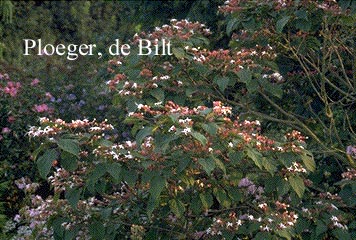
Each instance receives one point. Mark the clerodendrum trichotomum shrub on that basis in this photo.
(197, 165)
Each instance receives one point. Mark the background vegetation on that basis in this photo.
(184, 156)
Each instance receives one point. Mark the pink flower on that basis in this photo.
(49, 95)
(11, 119)
(41, 108)
(6, 130)
(12, 88)
(35, 82)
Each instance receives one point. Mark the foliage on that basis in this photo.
(196, 163)
(22, 101)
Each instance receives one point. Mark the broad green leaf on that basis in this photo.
(208, 164)
(130, 176)
(97, 230)
(220, 164)
(245, 75)
(210, 128)
(284, 233)
(206, 199)
(235, 157)
(222, 82)
(231, 25)
(73, 196)
(222, 198)
(255, 156)
(178, 53)
(263, 236)
(308, 161)
(297, 184)
(320, 228)
(114, 170)
(68, 161)
(200, 137)
(281, 23)
(196, 204)
(142, 134)
(183, 164)
(44, 163)
(97, 173)
(157, 185)
(157, 93)
(69, 145)
(177, 207)
(341, 234)
(269, 165)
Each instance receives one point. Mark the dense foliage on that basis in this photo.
(251, 141)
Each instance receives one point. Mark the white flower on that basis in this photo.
(186, 130)
(334, 218)
(210, 150)
(229, 224)
(172, 129)
(231, 144)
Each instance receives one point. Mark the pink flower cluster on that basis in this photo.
(11, 88)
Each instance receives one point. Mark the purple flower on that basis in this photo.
(6, 130)
(350, 150)
(251, 189)
(245, 182)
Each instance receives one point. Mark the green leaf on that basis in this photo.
(222, 198)
(297, 184)
(97, 230)
(97, 173)
(44, 163)
(114, 170)
(255, 156)
(206, 199)
(235, 157)
(73, 196)
(68, 161)
(232, 25)
(69, 145)
(183, 164)
(320, 228)
(211, 128)
(177, 207)
(244, 75)
(222, 82)
(142, 134)
(263, 236)
(178, 53)
(220, 164)
(308, 161)
(284, 233)
(157, 185)
(341, 234)
(130, 176)
(157, 93)
(281, 23)
(200, 137)
(208, 164)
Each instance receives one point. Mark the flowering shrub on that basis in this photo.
(198, 165)
(19, 101)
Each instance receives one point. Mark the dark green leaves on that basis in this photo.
(297, 184)
(222, 82)
(200, 137)
(69, 145)
(142, 134)
(208, 164)
(281, 23)
(44, 163)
